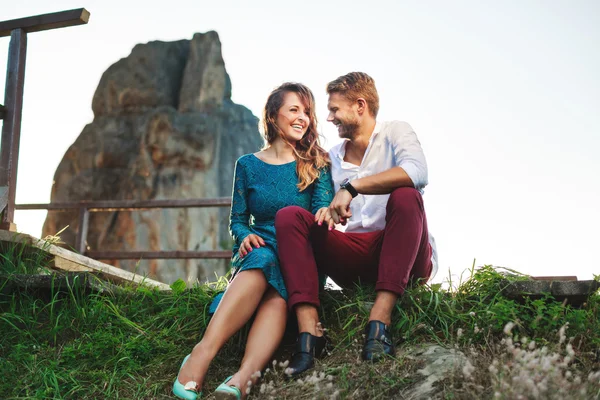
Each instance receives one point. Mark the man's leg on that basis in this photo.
(405, 254)
(293, 226)
(302, 244)
(405, 251)
(298, 267)
(299, 241)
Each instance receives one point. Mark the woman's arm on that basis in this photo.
(239, 216)
(323, 190)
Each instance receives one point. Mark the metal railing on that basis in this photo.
(85, 207)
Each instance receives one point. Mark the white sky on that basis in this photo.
(504, 96)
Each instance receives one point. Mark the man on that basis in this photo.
(380, 171)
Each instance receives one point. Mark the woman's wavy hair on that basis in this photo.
(310, 156)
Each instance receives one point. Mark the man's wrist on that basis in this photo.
(348, 187)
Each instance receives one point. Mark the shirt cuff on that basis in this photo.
(416, 175)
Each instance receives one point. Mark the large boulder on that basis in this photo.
(164, 128)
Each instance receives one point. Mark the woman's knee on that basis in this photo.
(273, 299)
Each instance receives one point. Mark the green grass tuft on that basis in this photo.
(69, 342)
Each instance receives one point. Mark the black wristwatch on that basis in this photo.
(348, 186)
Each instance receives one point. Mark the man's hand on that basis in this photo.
(340, 207)
(248, 242)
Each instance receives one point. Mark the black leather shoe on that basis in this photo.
(307, 348)
(378, 342)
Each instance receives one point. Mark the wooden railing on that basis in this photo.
(10, 112)
(85, 207)
(10, 115)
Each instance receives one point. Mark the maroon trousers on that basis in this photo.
(386, 258)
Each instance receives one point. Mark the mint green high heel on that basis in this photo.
(226, 392)
(187, 391)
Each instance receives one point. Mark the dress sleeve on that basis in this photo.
(239, 217)
(323, 190)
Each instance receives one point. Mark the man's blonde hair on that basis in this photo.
(354, 86)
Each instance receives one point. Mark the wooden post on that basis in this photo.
(11, 128)
(82, 230)
(3, 197)
(10, 112)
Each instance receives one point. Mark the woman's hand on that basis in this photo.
(250, 241)
(324, 215)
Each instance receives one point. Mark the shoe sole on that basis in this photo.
(377, 357)
(225, 396)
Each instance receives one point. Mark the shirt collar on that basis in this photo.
(342, 152)
(377, 129)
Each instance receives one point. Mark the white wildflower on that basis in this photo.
(468, 369)
(508, 328)
(256, 375)
(561, 333)
(570, 350)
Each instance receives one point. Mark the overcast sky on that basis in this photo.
(504, 96)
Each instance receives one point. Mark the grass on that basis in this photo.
(72, 343)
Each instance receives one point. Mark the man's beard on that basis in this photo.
(348, 130)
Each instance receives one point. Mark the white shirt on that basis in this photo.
(392, 144)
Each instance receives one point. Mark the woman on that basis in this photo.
(292, 169)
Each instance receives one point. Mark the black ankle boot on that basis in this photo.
(307, 348)
(378, 342)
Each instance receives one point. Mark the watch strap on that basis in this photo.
(348, 186)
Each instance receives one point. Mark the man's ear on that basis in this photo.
(361, 105)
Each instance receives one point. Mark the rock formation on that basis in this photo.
(164, 128)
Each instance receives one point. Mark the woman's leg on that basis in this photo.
(238, 304)
(263, 339)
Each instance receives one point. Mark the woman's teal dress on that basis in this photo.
(259, 191)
